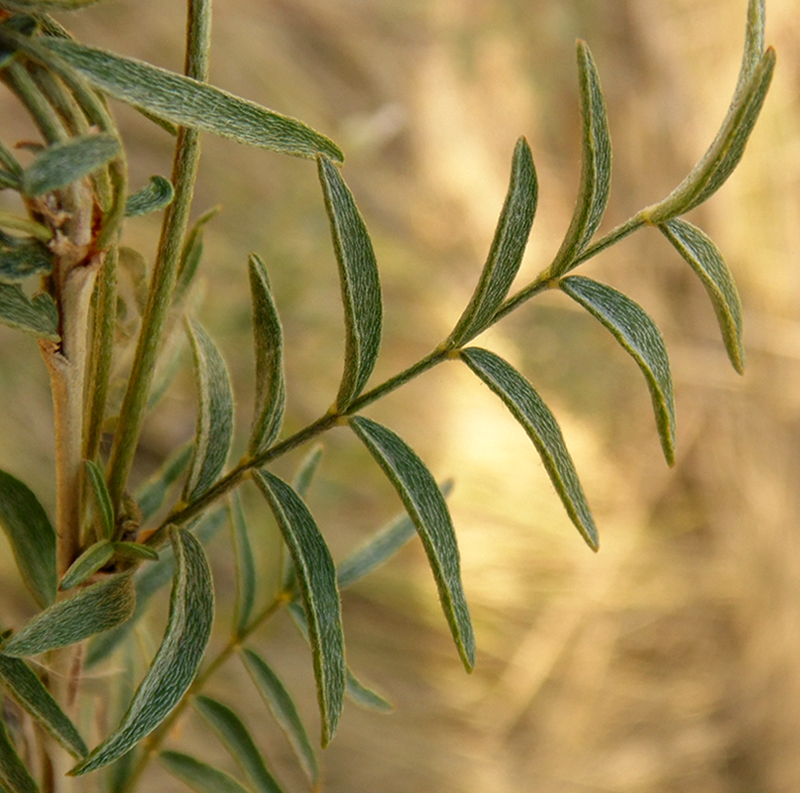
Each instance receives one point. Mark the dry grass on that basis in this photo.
(666, 663)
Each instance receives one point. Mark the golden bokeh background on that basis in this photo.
(666, 663)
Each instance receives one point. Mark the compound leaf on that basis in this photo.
(191, 613)
(706, 260)
(426, 506)
(283, 710)
(238, 741)
(65, 162)
(316, 575)
(200, 777)
(94, 609)
(358, 274)
(542, 428)
(595, 166)
(508, 247)
(31, 536)
(24, 685)
(214, 414)
(38, 316)
(270, 385)
(156, 194)
(189, 103)
(634, 329)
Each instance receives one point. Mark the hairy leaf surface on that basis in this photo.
(63, 163)
(508, 247)
(426, 506)
(22, 258)
(14, 776)
(595, 183)
(214, 414)
(284, 711)
(191, 613)
(270, 385)
(316, 575)
(155, 195)
(246, 575)
(239, 742)
(94, 609)
(31, 536)
(706, 260)
(101, 498)
(189, 103)
(37, 316)
(542, 428)
(24, 685)
(199, 776)
(358, 275)
(87, 564)
(634, 329)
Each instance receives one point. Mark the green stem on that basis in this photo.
(16, 76)
(165, 270)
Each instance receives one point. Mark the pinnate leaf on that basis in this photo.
(508, 247)
(191, 613)
(634, 329)
(316, 575)
(189, 103)
(65, 162)
(31, 536)
(595, 183)
(706, 260)
(238, 741)
(156, 194)
(542, 428)
(358, 275)
(270, 386)
(24, 685)
(199, 776)
(214, 414)
(283, 710)
(426, 506)
(38, 315)
(94, 609)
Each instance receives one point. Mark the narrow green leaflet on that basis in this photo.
(379, 548)
(22, 258)
(426, 506)
(542, 428)
(134, 552)
(87, 564)
(283, 710)
(200, 777)
(31, 537)
(157, 194)
(192, 254)
(237, 739)
(191, 613)
(727, 148)
(190, 103)
(354, 689)
(214, 415)
(38, 316)
(706, 260)
(94, 609)
(316, 575)
(63, 163)
(101, 498)
(14, 776)
(24, 685)
(270, 385)
(148, 582)
(358, 275)
(635, 330)
(152, 493)
(595, 168)
(508, 247)
(246, 576)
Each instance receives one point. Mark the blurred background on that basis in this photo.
(666, 663)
